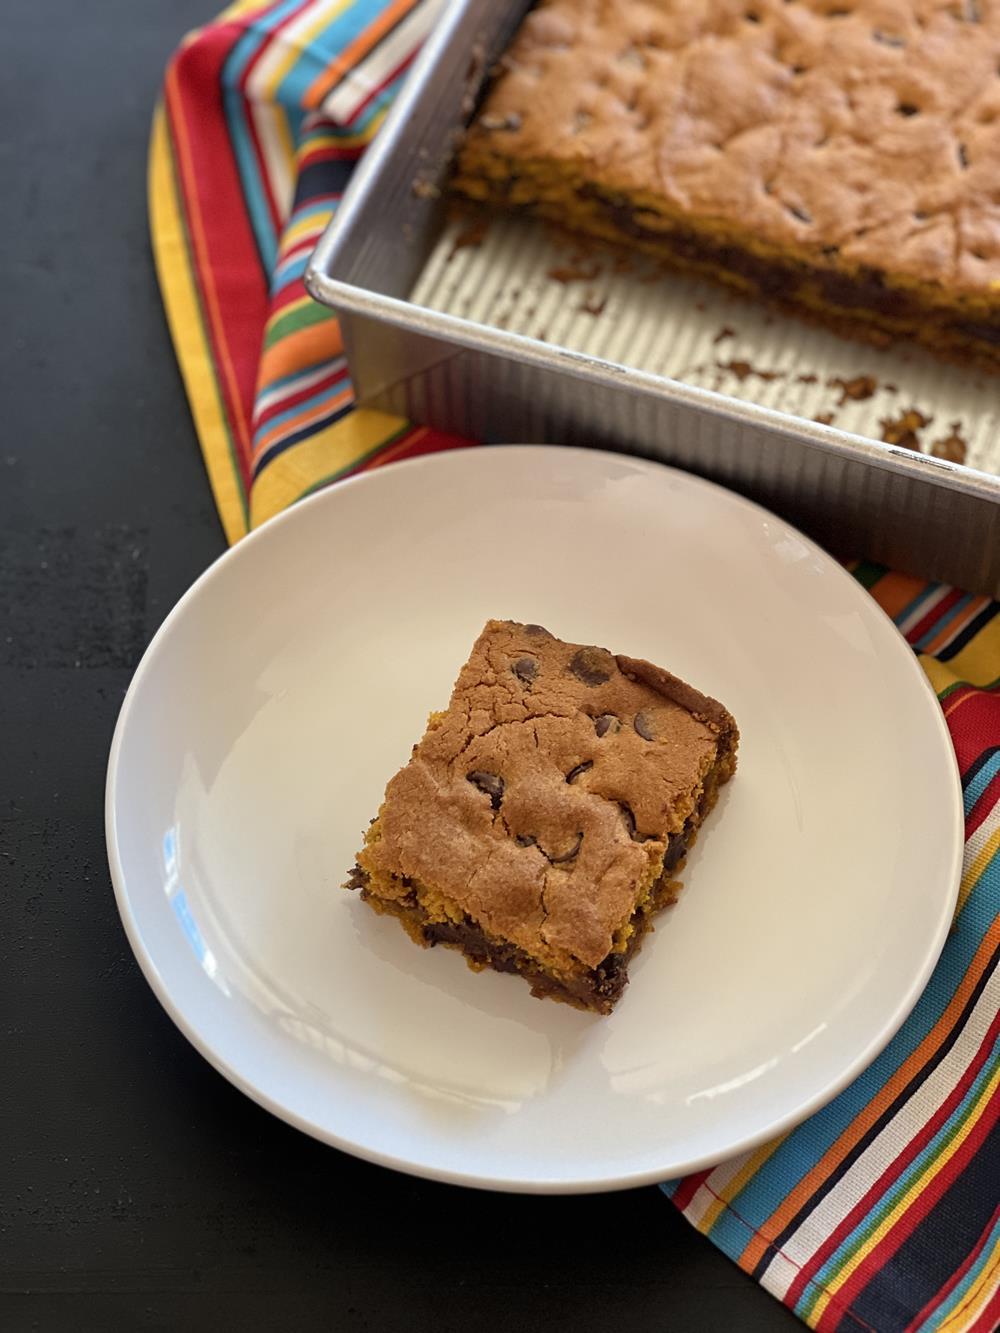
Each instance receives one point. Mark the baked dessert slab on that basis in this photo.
(540, 821)
(840, 158)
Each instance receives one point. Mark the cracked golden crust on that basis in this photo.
(541, 801)
(850, 135)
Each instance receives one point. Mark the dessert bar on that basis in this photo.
(839, 159)
(540, 822)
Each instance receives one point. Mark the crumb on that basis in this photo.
(807, 379)
(477, 63)
(890, 388)
(592, 306)
(743, 370)
(903, 429)
(510, 121)
(425, 189)
(623, 263)
(724, 333)
(570, 273)
(699, 305)
(856, 389)
(472, 235)
(952, 447)
(825, 418)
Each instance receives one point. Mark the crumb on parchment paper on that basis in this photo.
(856, 389)
(904, 430)
(743, 370)
(951, 447)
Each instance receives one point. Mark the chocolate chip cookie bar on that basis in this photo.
(542, 818)
(838, 157)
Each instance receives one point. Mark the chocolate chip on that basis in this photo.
(644, 726)
(611, 969)
(605, 723)
(629, 819)
(525, 669)
(574, 773)
(525, 840)
(538, 632)
(568, 856)
(357, 879)
(488, 783)
(676, 848)
(592, 665)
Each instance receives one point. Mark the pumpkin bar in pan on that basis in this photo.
(540, 822)
(840, 158)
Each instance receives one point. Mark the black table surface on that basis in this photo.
(138, 1189)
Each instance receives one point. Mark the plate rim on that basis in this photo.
(596, 1183)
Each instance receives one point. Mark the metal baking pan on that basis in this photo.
(449, 335)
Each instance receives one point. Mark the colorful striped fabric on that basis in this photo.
(264, 113)
(881, 1212)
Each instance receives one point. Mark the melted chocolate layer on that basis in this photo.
(599, 989)
(849, 295)
(863, 290)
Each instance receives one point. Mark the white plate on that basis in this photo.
(289, 684)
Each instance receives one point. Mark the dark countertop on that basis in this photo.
(138, 1190)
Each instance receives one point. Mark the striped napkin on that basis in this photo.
(881, 1212)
